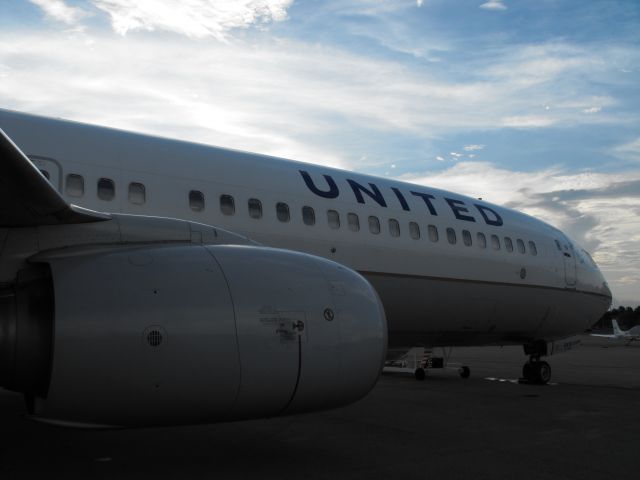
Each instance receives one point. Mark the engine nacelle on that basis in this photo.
(191, 334)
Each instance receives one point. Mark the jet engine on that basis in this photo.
(183, 334)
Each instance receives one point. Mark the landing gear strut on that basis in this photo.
(535, 370)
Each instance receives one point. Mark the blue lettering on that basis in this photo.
(401, 199)
(374, 193)
(458, 206)
(333, 191)
(496, 220)
(427, 200)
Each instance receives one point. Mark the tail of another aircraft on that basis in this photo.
(616, 328)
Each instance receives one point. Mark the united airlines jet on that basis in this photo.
(148, 281)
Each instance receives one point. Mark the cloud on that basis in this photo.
(58, 10)
(529, 121)
(598, 210)
(592, 110)
(629, 151)
(494, 5)
(471, 148)
(195, 18)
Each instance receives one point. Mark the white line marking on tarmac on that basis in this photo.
(510, 380)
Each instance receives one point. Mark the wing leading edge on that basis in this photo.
(27, 199)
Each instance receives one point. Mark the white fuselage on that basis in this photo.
(444, 288)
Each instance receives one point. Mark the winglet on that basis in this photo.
(28, 199)
(616, 328)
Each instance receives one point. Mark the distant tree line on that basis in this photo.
(627, 317)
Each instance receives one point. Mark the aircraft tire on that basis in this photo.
(527, 372)
(542, 373)
(465, 371)
(420, 374)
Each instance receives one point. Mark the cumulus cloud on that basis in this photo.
(598, 210)
(58, 10)
(494, 5)
(195, 18)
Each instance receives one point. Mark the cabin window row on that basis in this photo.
(283, 214)
(105, 189)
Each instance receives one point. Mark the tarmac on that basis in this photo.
(584, 425)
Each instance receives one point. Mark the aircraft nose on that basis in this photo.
(606, 290)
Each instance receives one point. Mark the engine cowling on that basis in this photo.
(171, 335)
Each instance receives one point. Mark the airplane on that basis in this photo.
(630, 335)
(149, 281)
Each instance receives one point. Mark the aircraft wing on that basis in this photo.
(604, 335)
(26, 196)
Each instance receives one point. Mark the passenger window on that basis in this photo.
(508, 244)
(466, 237)
(414, 230)
(45, 174)
(308, 216)
(451, 236)
(196, 200)
(394, 227)
(353, 221)
(495, 242)
(227, 205)
(137, 193)
(255, 208)
(374, 225)
(532, 248)
(482, 240)
(433, 233)
(282, 212)
(333, 218)
(520, 245)
(75, 185)
(106, 189)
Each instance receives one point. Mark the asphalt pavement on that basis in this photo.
(584, 425)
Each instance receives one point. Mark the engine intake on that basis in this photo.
(26, 332)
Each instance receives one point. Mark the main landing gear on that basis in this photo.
(536, 371)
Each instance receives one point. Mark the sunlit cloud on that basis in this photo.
(58, 10)
(471, 148)
(529, 121)
(196, 18)
(494, 5)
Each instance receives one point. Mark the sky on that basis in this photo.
(534, 105)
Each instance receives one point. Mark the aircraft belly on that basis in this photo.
(454, 312)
